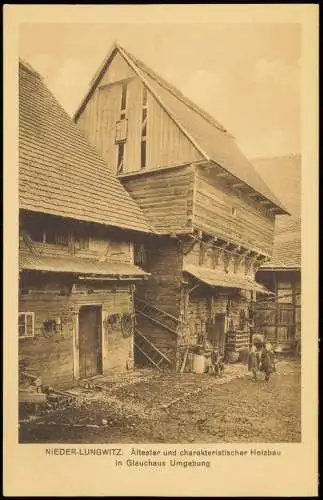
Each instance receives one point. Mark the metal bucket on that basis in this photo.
(198, 363)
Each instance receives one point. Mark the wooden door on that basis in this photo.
(90, 349)
(216, 332)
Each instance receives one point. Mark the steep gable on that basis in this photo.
(208, 138)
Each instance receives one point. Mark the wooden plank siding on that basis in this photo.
(165, 197)
(280, 318)
(213, 208)
(118, 70)
(101, 241)
(52, 357)
(205, 302)
(98, 122)
(166, 143)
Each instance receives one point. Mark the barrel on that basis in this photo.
(198, 363)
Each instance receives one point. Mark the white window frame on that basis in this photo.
(26, 314)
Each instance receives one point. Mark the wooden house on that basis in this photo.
(280, 317)
(77, 230)
(212, 214)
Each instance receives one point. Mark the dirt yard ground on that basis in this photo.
(150, 407)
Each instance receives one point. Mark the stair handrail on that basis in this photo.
(153, 346)
(178, 320)
(148, 357)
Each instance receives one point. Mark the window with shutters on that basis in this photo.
(121, 131)
(26, 321)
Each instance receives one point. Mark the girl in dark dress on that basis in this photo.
(267, 360)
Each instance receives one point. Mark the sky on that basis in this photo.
(245, 75)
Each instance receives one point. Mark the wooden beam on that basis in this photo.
(190, 247)
(193, 288)
(253, 195)
(223, 173)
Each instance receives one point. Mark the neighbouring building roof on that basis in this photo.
(59, 172)
(283, 175)
(213, 277)
(205, 133)
(287, 247)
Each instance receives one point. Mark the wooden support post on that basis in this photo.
(76, 369)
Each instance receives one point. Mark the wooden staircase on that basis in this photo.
(157, 316)
(155, 357)
(164, 320)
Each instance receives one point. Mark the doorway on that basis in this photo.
(216, 332)
(90, 341)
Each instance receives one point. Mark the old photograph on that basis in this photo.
(160, 217)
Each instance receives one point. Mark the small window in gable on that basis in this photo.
(144, 96)
(120, 157)
(124, 97)
(121, 131)
(143, 154)
(26, 321)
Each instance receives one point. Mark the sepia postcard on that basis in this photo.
(161, 250)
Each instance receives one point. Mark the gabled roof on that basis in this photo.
(59, 172)
(287, 253)
(283, 175)
(208, 136)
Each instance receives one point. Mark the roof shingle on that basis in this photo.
(213, 277)
(283, 175)
(78, 266)
(287, 247)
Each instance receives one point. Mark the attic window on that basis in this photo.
(143, 153)
(123, 99)
(144, 117)
(120, 157)
(121, 131)
(144, 96)
(144, 123)
(234, 211)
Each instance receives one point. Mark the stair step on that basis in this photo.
(157, 322)
(152, 347)
(164, 313)
(147, 356)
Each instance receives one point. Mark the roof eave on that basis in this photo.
(280, 268)
(146, 230)
(281, 209)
